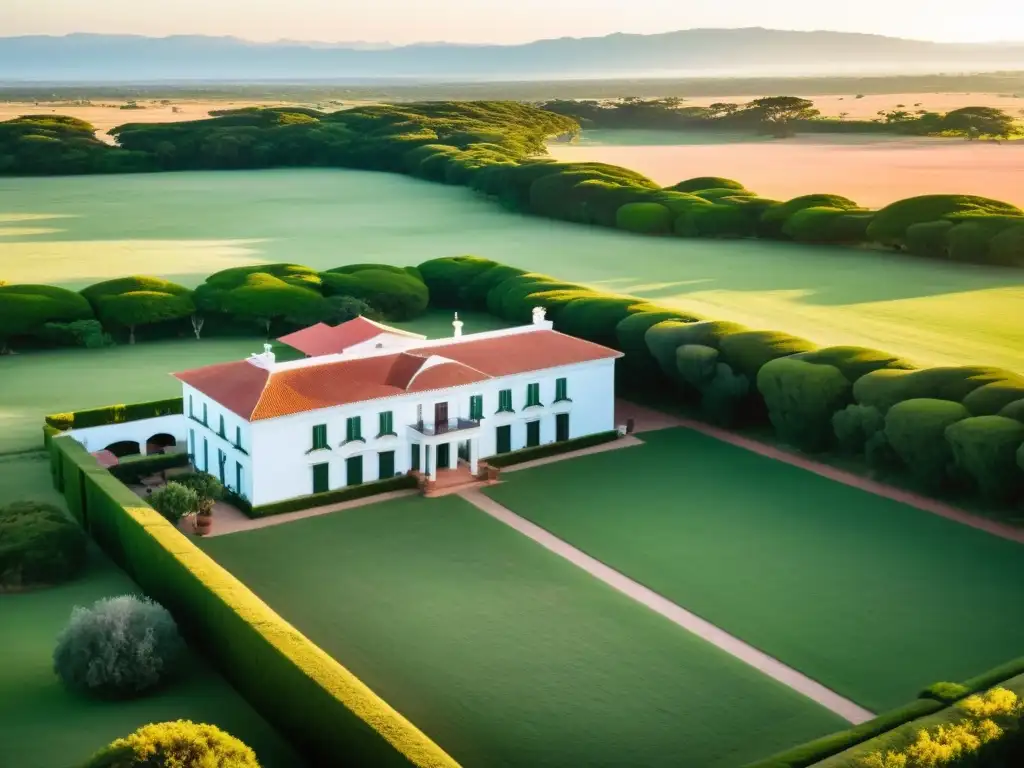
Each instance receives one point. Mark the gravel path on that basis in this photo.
(674, 613)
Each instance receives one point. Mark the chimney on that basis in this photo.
(266, 360)
(268, 353)
(538, 315)
(457, 325)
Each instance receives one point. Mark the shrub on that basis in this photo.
(1007, 248)
(1014, 410)
(985, 447)
(885, 388)
(178, 744)
(928, 239)
(551, 449)
(855, 425)
(120, 647)
(994, 676)
(79, 333)
(811, 225)
(292, 274)
(891, 223)
(747, 351)
(718, 193)
(855, 362)
(38, 545)
(721, 398)
(705, 182)
(801, 399)
(263, 298)
(517, 301)
(992, 398)
(630, 337)
(473, 293)
(645, 218)
(174, 501)
(879, 453)
(916, 429)
(348, 493)
(595, 317)
(396, 295)
(948, 693)
(446, 277)
(781, 213)
(132, 309)
(663, 339)
(970, 240)
(25, 309)
(697, 364)
(715, 221)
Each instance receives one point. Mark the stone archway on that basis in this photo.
(124, 448)
(160, 443)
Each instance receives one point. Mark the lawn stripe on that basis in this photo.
(770, 666)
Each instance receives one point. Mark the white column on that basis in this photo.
(472, 456)
(430, 464)
(453, 455)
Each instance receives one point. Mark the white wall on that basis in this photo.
(235, 428)
(97, 438)
(282, 461)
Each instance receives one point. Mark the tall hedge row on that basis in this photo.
(956, 428)
(322, 707)
(497, 149)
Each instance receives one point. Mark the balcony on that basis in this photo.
(435, 428)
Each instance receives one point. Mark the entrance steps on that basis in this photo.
(456, 480)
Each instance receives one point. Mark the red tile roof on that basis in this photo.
(255, 393)
(323, 339)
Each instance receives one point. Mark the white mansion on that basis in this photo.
(369, 402)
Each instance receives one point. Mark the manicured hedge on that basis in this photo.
(814, 751)
(802, 398)
(891, 223)
(327, 712)
(349, 493)
(916, 429)
(116, 414)
(994, 676)
(130, 472)
(551, 449)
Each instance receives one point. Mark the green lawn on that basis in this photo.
(870, 597)
(505, 654)
(38, 383)
(78, 230)
(44, 726)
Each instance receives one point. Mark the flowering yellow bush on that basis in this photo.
(946, 744)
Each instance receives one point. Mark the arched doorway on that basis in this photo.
(159, 443)
(124, 448)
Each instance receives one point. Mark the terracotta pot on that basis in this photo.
(203, 524)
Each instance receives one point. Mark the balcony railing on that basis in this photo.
(432, 428)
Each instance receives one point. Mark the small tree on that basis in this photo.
(781, 111)
(142, 308)
(182, 744)
(174, 501)
(979, 121)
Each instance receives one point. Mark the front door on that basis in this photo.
(354, 470)
(441, 420)
(387, 465)
(444, 456)
(562, 427)
(503, 441)
(532, 433)
(321, 478)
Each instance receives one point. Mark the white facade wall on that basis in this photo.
(206, 445)
(282, 460)
(140, 431)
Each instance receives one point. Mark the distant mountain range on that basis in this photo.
(689, 53)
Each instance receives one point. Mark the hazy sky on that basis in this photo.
(506, 21)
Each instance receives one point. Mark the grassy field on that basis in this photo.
(73, 231)
(38, 383)
(873, 598)
(505, 654)
(44, 726)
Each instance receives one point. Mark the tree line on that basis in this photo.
(498, 150)
(270, 298)
(781, 116)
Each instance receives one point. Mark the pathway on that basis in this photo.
(768, 665)
(647, 419)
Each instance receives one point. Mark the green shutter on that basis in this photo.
(319, 436)
(387, 465)
(238, 437)
(562, 427)
(505, 401)
(191, 413)
(532, 395)
(354, 470)
(561, 390)
(532, 434)
(503, 439)
(476, 407)
(220, 431)
(386, 423)
(238, 478)
(353, 429)
(205, 422)
(321, 478)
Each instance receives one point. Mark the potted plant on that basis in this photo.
(208, 490)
